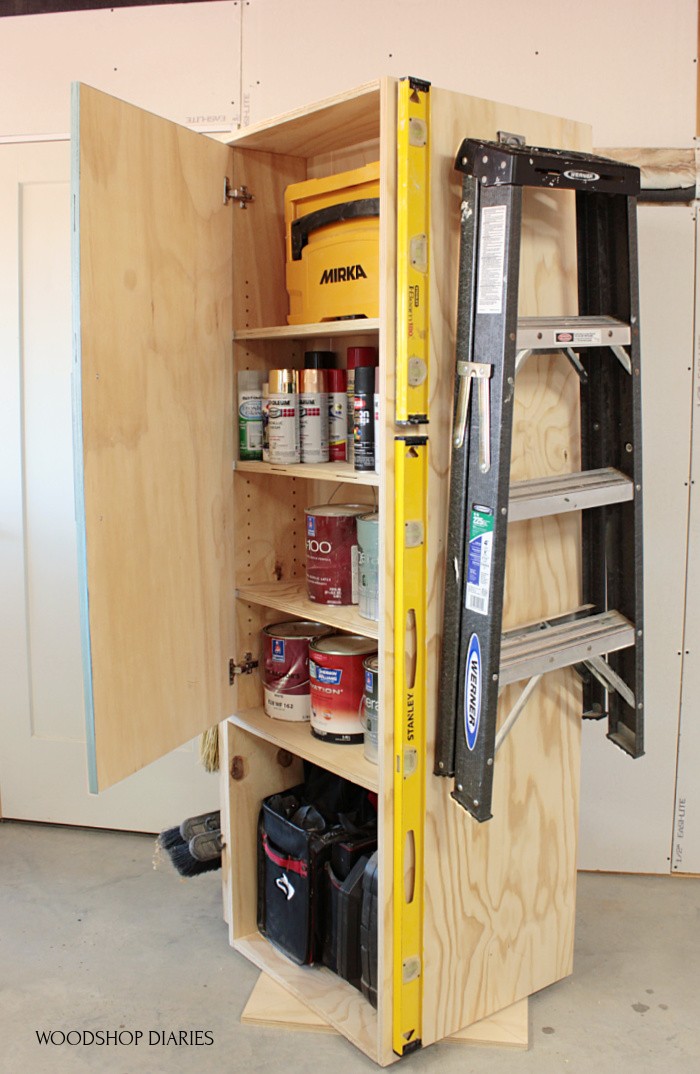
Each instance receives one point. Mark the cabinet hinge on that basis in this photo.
(246, 667)
(241, 194)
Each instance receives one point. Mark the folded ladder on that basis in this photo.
(604, 641)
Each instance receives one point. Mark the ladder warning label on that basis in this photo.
(481, 526)
(492, 256)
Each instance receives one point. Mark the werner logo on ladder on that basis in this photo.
(604, 639)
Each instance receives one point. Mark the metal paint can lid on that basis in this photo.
(372, 664)
(345, 645)
(297, 628)
(337, 510)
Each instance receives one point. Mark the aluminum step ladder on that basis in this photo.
(604, 639)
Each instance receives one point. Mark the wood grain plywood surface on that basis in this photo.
(500, 897)
(154, 339)
(272, 1006)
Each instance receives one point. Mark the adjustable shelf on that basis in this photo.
(291, 597)
(347, 761)
(341, 472)
(359, 327)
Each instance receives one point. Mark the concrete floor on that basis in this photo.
(92, 937)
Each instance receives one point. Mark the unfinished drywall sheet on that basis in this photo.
(686, 825)
(627, 806)
(627, 68)
(178, 60)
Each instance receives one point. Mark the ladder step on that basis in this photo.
(529, 652)
(552, 333)
(568, 492)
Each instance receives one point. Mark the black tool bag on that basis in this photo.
(341, 939)
(297, 831)
(368, 929)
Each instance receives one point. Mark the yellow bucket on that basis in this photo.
(332, 240)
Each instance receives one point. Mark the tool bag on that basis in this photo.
(343, 892)
(297, 831)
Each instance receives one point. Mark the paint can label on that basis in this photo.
(337, 691)
(481, 529)
(285, 671)
(331, 558)
(371, 707)
(368, 566)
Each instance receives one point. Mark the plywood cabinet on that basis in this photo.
(188, 552)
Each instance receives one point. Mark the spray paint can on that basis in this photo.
(363, 418)
(337, 380)
(320, 360)
(283, 423)
(337, 686)
(368, 565)
(377, 430)
(357, 357)
(265, 413)
(313, 415)
(250, 414)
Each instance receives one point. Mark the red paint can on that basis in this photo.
(337, 686)
(331, 552)
(285, 671)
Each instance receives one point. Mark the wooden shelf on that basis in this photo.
(335, 1000)
(327, 471)
(359, 327)
(349, 762)
(291, 597)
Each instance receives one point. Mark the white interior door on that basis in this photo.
(43, 769)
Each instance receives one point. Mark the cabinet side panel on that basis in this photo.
(153, 342)
(259, 288)
(500, 897)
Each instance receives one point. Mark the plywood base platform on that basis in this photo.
(271, 1005)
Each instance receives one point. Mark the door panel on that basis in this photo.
(153, 430)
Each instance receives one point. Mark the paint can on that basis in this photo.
(285, 668)
(331, 552)
(337, 686)
(368, 565)
(371, 707)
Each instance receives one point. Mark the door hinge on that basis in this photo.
(241, 194)
(246, 667)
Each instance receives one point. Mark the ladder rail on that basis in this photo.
(485, 510)
(454, 569)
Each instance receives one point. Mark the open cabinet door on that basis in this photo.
(153, 431)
